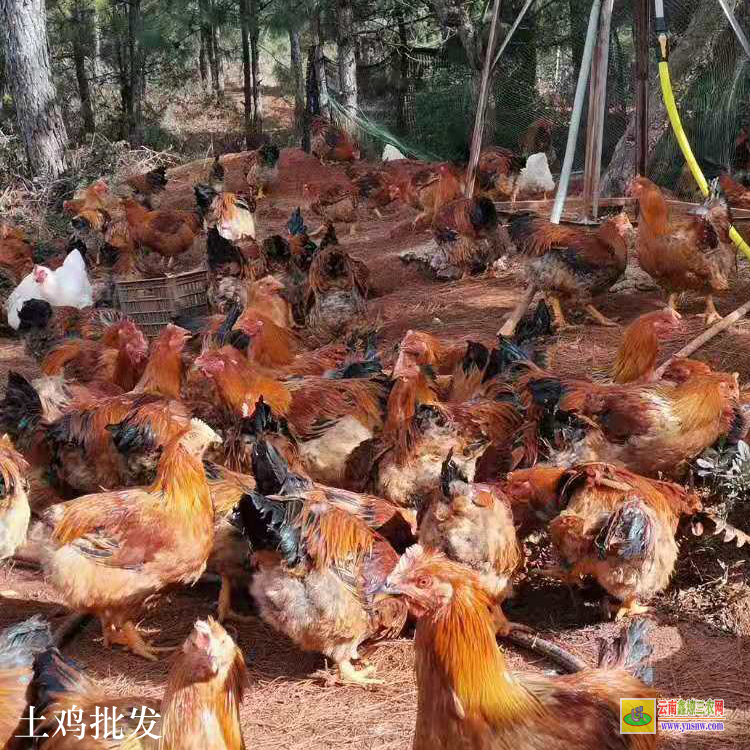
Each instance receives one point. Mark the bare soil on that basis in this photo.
(701, 633)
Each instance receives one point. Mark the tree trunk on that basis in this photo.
(207, 48)
(247, 78)
(692, 52)
(96, 56)
(219, 57)
(320, 63)
(217, 79)
(79, 60)
(254, 19)
(403, 77)
(298, 74)
(135, 69)
(23, 24)
(347, 62)
(202, 63)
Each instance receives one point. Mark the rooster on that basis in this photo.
(19, 644)
(109, 552)
(15, 258)
(472, 524)
(200, 707)
(317, 567)
(537, 138)
(338, 288)
(464, 232)
(148, 187)
(331, 143)
(429, 189)
(498, 173)
(468, 699)
(570, 262)
(738, 196)
(691, 253)
(376, 188)
(261, 169)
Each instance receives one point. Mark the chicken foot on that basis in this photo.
(602, 320)
(353, 676)
(629, 608)
(129, 637)
(711, 314)
(224, 609)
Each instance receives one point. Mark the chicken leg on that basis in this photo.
(557, 313)
(225, 611)
(354, 676)
(712, 314)
(602, 320)
(629, 608)
(129, 637)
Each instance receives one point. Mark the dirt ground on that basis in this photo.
(701, 633)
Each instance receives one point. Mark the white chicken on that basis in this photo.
(68, 286)
(536, 176)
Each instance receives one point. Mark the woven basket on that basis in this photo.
(152, 303)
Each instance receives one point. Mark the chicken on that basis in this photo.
(569, 262)
(738, 196)
(690, 253)
(422, 349)
(741, 156)
(266, 294)
(464, 232)
(261, 169)
(330, 143)
(537, 138)
(473, 524)
(216, 175)
(231, 214)
(338, 289)
(375, 188)
(95, 196)
(330, 417)
(83, 360)
(466, 696)
(16, 260)
(620, 529)
(18, 646)
(200, 707)
(14, 502)
(168, 233)
(316, 569)
(333, 203)
(498, 172)
(429, 189)
(68, 286)
(148, 187)
(110, 552)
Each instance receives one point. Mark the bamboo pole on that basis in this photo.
(476, 139)
(704, 338)
(642, 19)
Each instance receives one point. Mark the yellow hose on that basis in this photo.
(687, 152)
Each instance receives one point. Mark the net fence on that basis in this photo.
(421, 97)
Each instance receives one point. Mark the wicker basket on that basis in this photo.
(152, 303)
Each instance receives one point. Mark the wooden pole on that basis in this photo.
(476, 139)
(597, 111)
(642, 22)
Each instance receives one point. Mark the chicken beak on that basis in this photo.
(384, 591)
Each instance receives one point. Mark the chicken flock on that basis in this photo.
(344, 491)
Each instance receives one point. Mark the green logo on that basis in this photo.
(637, 718)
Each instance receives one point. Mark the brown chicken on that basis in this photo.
(95, 196)
(200, 707)
(261, 169)
(169, 233)
(317, 567)
(232, 215)
(569, 262)
(685, 253)
(618, 528)
(537, 138)
(741, 156)
(420, 348)
(467, 698)
(110, 552)
(473, 524)
(331, 143)
(14, 502)
(334, 203)
(498, 174)
(330, 417)
(374, 188)
(84, 360)
(267, 294)
(16, 260)
(429, 189)
(338, 289)
(19, 644)
(148, 187)
(738, 196)
(465, 236)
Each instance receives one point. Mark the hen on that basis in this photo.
(569, 262)
(331, 143)
(468, 699)
(262, 168)
(148, 187)
(317, 568)
(112, 551)
(685, 253)
(200, 707)
(472, 524)
(14, 502)
(16, 260)
(333, 203)
(429, 189)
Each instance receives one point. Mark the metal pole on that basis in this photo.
(642, 20)
(476, 139)
(736, 26)
(575, 120)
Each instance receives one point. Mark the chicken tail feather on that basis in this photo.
(631, 650)
(21, 409)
